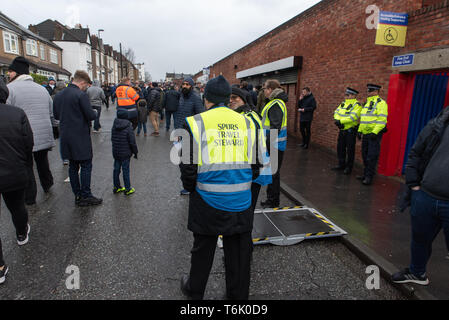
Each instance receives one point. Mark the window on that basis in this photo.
(97, 59)
(46, 73)
(31, 47)
(11, 42)
(42, 48)
(89, 55)
(53, 56)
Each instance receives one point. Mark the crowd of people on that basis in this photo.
(225, 183)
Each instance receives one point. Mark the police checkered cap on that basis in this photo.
(373, 87)
(351, 91)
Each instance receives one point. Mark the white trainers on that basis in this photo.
(3, 274)
(22, 240)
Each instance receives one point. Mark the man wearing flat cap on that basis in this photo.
(347, 118)
(219, 182)
(373, 124)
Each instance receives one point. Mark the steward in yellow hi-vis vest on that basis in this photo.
(274, 117)
(373, 124)
(219, 183)
(239, 104)
(346, 119)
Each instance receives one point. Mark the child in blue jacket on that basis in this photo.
(123, 147)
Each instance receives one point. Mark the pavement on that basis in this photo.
(369, 214)
(138, 247)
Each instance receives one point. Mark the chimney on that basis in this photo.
(57, 33)
(33, 29)
(78, 26)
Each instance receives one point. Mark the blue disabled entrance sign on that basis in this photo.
(404, 60)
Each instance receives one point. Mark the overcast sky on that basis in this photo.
(167, 35)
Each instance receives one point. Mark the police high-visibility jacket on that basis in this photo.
(265, 176)
(373, 118)
(348, 113)
(282, 135)
(225, 139)
(126, 96)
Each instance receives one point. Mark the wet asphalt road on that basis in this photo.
(138, 247)
(370, 214)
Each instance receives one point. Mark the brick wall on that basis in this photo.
(338, 51)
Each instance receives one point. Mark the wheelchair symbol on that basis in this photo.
(391, 35)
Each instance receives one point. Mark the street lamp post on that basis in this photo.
(99, 48)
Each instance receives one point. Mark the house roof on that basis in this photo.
(56, 31)
(40, 65)
(8, 23)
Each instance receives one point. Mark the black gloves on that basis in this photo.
(135, 156)
(338, 124)
(359, 135)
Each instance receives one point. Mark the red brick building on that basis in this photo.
(329, 47)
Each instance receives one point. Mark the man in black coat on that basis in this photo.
(154, 106)
(171, 104)
(16, 156)
(74, 111)
(306, 107)
(427, 176)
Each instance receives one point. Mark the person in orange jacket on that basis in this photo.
(126, 102)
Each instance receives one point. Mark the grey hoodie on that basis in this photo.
(96, 94)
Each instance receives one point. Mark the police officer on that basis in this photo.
(239, 104)
(220, 191)
(373, 123)
(274, 118)
(347, 118)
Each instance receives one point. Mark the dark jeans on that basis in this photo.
(15, 202)
(141, 125)
(81, 183)
(237, 252)
(274, 189)
(45, 176)
(306, 131)
(370, 154)
(168, 116)
(97, 124)
(428, 217)
(124, 165)
(346, 148)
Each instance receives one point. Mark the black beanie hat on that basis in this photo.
(218, 90)
(241, 93)
(20, 65)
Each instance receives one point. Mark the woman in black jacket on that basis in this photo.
(16, 152)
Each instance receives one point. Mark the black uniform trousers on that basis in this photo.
(346, 148)
(45, 176)
(237, 252)
(370, 154)
(274, 189)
